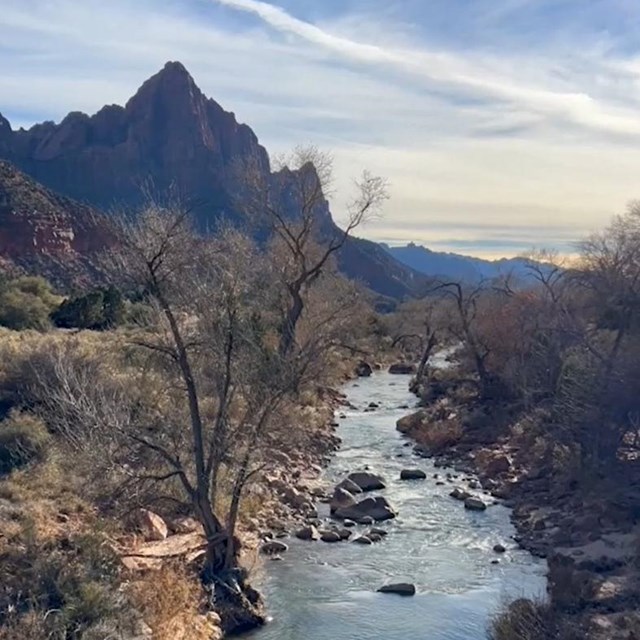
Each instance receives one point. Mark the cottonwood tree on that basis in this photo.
(465, 302)
(418, 323)
(291, 204)
(607, 284)
(215, 344)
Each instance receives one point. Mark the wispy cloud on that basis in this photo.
(577, 107)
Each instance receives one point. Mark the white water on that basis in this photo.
(321, 591)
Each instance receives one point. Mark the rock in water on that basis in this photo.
(307, 533)
(341, 499)
(460, 494)
(402, 368)
(377, 509)
(412, 474)
(401, 588)
(330, 536)
(498, 548)
(350, 486)
(364, 369)
(273, 547)
(474, 504)
(367, 481)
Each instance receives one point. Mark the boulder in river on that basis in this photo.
(378, 532)
(410, 423)
(460, 494)
(364, 369)
(273, 547)
(378, 509)
(344, 534)
(307, 533)
(366, 520)
(413, 474)
(362, 540)
(498, 548)
(402, 368)
(341, 499)
(367, 481)
(474, 504)
(350, 486)
(401, 588)
(330, 536)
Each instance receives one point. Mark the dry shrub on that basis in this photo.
(172, 601)
(23, 439)
(438, 436)
(523, 620)
(28, 626)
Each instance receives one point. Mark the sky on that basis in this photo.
(501, 125)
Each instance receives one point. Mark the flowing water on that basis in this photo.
(321, 591)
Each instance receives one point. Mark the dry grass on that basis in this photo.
(171, 602)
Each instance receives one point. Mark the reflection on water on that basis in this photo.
(321, 591)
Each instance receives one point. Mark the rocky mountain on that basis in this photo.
(169, 138)
(43, 232)
(457, 267)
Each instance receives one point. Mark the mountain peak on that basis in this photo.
(173, 82)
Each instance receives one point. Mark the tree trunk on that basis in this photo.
(217, 537)
(426, 354)
(291, 322)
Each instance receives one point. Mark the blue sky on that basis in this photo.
(501, 124)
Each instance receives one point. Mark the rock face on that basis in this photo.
(172, 139)
(43, 232)
(367, 481)
(377, 509)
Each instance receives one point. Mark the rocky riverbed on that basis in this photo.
(455, 564)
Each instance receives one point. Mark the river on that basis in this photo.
(321, 591)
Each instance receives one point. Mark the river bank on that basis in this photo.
(586, 533)
(317, 590)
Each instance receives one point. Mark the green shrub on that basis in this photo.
(98, 310)
(25, 303)
(23, 439)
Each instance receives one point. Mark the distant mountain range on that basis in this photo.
(168, 138)
(452, 266)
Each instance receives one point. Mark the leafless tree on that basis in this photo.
(465, 301)
(292, 205)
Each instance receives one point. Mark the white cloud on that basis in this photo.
(478, 148)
